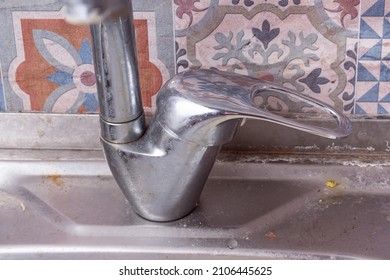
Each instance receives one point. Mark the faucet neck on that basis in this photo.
(116, 66)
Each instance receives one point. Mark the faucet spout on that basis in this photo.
(115, 56)
(163, 169)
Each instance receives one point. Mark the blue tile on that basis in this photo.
(366, 32)
(386, 58)
(375, 53)
(359, 110)
(376, 10)
(381, 110)
(386, 98)
(365, 75)
(61, 78)
(385, 73)
(371, 96)
(90, 103)
(378, 56)
(386, 29)
(85, 52)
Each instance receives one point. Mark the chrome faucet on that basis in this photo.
(162, 169)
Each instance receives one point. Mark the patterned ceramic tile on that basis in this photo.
(190, 12)
(52, 68)
(373, 79)
(343, 12)
(309, 46)
(350, 69)
(280, 3)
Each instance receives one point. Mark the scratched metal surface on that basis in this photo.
(251, 207)
(267, 197)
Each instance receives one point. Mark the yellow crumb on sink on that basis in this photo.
(331, 184)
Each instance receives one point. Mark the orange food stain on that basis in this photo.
(271, 235)
(56, 179)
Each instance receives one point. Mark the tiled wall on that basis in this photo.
(337, 51)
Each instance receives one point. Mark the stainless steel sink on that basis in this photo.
(65, 205)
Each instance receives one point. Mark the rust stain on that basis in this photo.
(56, 179)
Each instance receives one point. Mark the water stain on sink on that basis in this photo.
(232, 244)
(56, 180)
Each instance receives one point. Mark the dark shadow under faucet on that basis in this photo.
(162, 169)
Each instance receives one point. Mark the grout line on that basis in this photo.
(2, 88)
(357, 58)
(174, 37)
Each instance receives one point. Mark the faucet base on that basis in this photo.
(158, 185)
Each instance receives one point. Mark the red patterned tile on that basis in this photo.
(344, 12)
(189, 12)
(32, 74)
(53, 71)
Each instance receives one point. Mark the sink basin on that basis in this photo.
(66, 205)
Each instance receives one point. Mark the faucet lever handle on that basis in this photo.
(220, 97)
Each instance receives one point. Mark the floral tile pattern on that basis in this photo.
(343, 12)
(373, 79)
(306, 45)
(189, 12)
(337, 51)
(52, 69)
